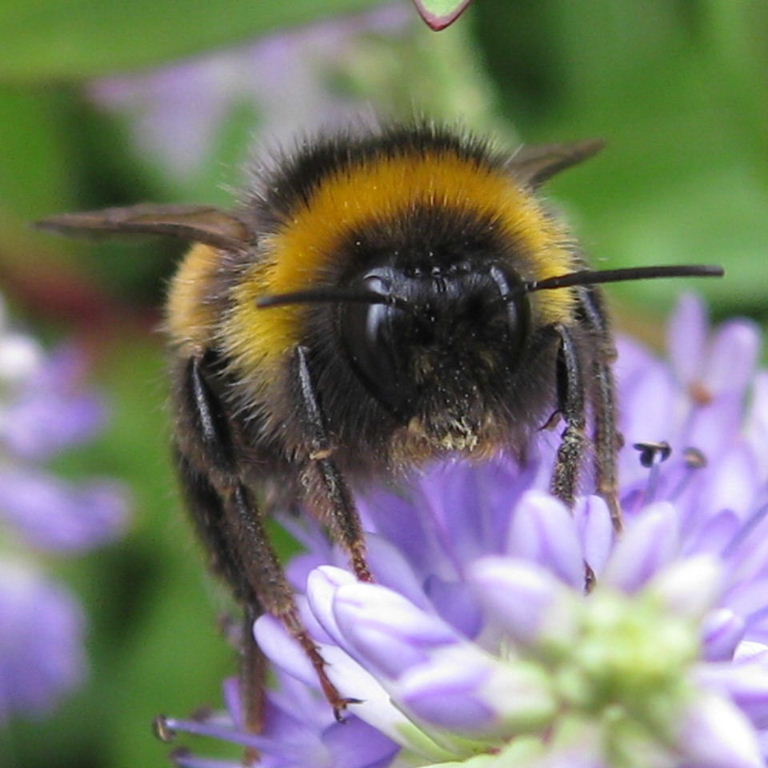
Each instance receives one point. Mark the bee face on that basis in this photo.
(445, 334)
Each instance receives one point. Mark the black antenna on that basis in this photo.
(330, 296)
(592, 277)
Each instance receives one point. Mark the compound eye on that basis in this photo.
(370, 334)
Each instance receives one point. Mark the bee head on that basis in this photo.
(428, 339)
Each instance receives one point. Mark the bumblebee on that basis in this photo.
(373, 302)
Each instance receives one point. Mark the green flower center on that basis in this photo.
(627, 669)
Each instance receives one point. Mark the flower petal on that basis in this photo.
(689, 588)
(722, 631)
(455, 603)
(744, 683)
(593, 521)
(646, 546)
(687, 337)
(543, 531)
(715, 734)
(470, 693)
(525, 600)
(356, 744)
(282, 649)
(732, 358)
(322, 585)
(384, 631)
(443, 691)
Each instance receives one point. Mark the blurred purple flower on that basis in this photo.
(41, 640)
(52, 514)
(51, 411)
(477, 646)
(44, 408)
(285, 78)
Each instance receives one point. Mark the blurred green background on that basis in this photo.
(107, 103)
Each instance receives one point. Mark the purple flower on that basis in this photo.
(44, 408)
(285, 79)
(477, 645)
(49, 409)
(41, 640)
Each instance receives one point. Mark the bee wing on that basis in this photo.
(536, 164)
(198, 223)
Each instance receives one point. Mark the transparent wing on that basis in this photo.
(197, 223)
(535, 164)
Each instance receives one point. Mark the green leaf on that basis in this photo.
(43, 39)
(441, 13)
(35, 177)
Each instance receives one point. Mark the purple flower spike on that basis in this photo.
(301, 733)
(44, 408)
(41, 635)
(355, 744)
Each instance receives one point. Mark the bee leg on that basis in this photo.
(266, 576)
(329, 492)
(207, 512)
(571, 396)
(607, 438)
(253, 680)
(232, 525)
